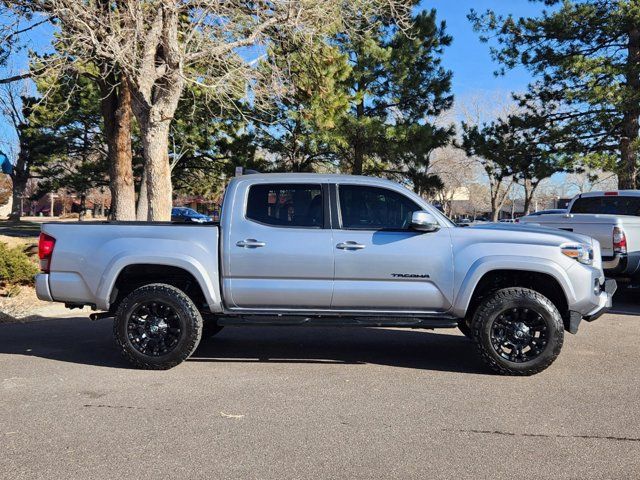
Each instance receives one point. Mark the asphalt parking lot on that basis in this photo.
(287, 403)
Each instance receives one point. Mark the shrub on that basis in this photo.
(16, 268)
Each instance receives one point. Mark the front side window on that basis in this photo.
(286, 205)
(373, 208)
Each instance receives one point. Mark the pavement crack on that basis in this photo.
(126, 407)
(543, 435)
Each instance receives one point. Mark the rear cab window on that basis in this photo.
(286, 205)
(607, 204)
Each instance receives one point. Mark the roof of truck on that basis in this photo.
(315, 177)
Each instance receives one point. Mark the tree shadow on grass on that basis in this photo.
(80, 341)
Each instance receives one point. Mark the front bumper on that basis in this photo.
(605, 300)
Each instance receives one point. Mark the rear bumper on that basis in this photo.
(605, 300)
(615, 264)
(622, 265)
(42, 287)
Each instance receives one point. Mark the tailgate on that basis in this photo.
(594, 226)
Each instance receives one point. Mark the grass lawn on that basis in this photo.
(22, 229)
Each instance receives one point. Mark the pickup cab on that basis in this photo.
(612, 218)
(332, 250)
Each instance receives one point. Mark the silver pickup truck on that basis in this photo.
(612, 218)
(312, 249)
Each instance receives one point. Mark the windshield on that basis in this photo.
(610, 205)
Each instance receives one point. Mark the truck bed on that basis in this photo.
(89, 256)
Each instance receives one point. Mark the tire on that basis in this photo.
(157, 337)
(464, 327)
(510, 318)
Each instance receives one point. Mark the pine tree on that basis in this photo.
(586, 56)
(398, 86)
(299, 129)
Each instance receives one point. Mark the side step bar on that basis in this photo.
(334, 321)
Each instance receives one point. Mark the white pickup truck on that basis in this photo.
(612, 218)
(311, 249)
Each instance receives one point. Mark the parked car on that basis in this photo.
(188, 215)
(612, 218)
(507, 220)
(312, 249)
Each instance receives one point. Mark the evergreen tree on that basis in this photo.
(397, 86)
(587, 58)
(73, 149)
(299, 128)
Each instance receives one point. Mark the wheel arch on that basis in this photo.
(489, 274)
(127, 271)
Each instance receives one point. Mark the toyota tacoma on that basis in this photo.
(331, 250)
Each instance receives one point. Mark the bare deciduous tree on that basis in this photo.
(456, 170)
(161, 45)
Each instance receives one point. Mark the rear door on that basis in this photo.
(280, 249)
(381, 264)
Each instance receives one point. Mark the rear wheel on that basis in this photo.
(157, 327)
(518, 331)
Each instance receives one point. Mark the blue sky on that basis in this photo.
(467, 57)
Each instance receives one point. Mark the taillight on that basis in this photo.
(619, 241)
(45, 250)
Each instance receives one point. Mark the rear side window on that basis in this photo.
(373, 208)
(611, 205)
(286, 205)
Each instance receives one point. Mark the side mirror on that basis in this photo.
(424, 222)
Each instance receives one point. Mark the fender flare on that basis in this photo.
(185, 262)
(484, 265)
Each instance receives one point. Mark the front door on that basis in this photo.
(380, 263)
(279, 254)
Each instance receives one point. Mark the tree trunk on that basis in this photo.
(155, 143)
(19, 177)
(358, 154)
(143, 205)
(628, 168)
(19, 186)
(83, 207)
(116, 113)
(495, 211)
(529, 193)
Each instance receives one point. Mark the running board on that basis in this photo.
(335, 321)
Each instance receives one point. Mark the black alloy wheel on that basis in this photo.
(519, 334)
(157, 326)
(153, 328)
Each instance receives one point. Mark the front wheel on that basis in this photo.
(518, 331)
(157, 327)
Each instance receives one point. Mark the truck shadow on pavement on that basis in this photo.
(626, 301)
(80, 341)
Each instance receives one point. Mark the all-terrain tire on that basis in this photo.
(507, 299)
(188, 318)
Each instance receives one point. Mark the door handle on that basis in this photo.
(250, 243)
(350, 245)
